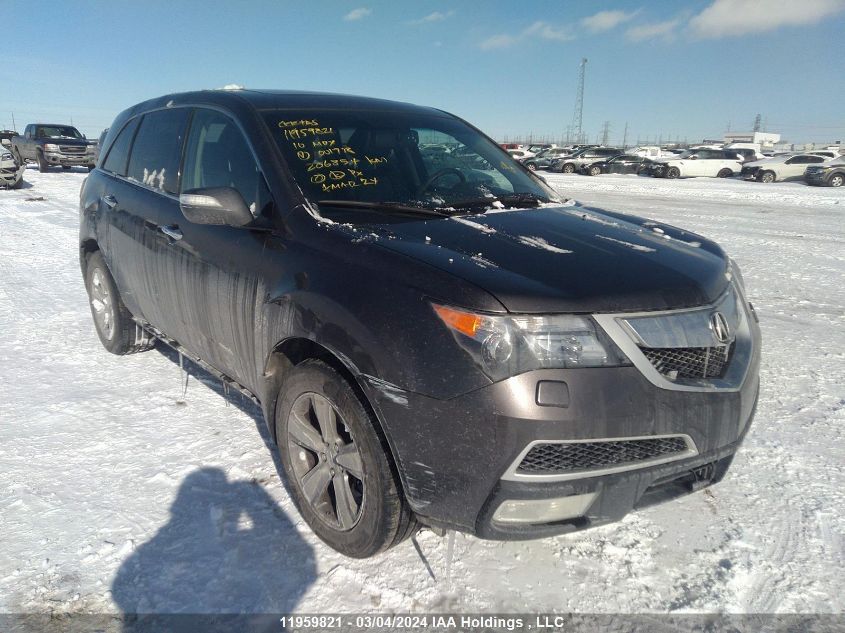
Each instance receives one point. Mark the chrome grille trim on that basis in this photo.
(515, 474)
(618, 328)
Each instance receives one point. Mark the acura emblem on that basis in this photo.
(720, 327)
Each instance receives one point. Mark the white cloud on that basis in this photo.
(497, 41)
(606, 20)
(725, 18)
(436, 16)
(539, 29)
(656, 30)
(357, 14)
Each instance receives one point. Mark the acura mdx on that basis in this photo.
(434, 339)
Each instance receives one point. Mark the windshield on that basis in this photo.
(416, 159)
(57, 131)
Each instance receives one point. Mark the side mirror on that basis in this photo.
(215, 205)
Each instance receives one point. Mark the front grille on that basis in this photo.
(550, 459)
(72, 149)
(689, 362)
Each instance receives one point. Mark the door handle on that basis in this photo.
(172, 231)
(110, 201)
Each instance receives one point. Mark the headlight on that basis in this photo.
(6, 156)
(50, 147)
(505, 346)
(92, 149)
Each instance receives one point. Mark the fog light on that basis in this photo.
(543, 510)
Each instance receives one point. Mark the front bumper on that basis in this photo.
(456, 457)
(69, 160)
(10, 175)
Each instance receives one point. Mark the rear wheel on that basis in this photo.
(336, 465)
(118, 333)
(724, 173)
(673, 172)
(43, 165)
(836, 180)
(568, 168)
(767, 177)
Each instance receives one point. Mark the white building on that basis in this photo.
(766, 140)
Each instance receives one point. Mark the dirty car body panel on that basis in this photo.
(359, 286)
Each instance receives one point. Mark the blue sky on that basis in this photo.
(667, 68)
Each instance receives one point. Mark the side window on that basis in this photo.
(217, 155)
(157, 149)
(816, 159)
(119, 152)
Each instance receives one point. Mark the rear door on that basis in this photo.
(144, 204)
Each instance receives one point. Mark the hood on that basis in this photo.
(73, 142)
(566, 258)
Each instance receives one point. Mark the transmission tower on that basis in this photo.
(757, 121)
(578, 114)
(605, 132)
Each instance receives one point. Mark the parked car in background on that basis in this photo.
(6, 137)
(789, 167)
(746, 154)
(588, 363)
(621, 164)
(571, 163)
(649, 151)
(830, 173)
(520, 154)
(544, 159)
(99, 144)
(11, 171)
(699, 162)
(50, 144)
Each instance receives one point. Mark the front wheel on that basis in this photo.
(532, 166)
(836, 180)
(595, 171)
(767, 177)
(336, 464)
(43, 165)
(673, 172)
(568, 168)
(118, 333)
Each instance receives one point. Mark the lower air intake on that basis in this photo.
(554, 459)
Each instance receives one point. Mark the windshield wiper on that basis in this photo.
(506, 200)
(384, 207)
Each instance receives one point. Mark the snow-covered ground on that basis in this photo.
(120, 491)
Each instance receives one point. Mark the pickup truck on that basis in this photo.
(51, 145)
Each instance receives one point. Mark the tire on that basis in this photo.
(767, 177)
(532, 166)
(568, 168)
(118, 333)
(724, 173)
(595, 171)
(378, 516)
(836, 180)
(673, 172)
(43, 165)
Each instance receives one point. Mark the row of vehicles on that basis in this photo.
(46, 144)
(713, 162)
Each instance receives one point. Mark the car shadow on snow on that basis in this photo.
(229, 558)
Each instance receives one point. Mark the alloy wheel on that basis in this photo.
(836, 180)
(102, 304)
(326, 461)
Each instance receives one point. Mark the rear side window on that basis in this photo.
(119, 153)
(217, 155)
(157, 149)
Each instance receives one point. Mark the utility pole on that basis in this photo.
(605, 132)
(13, 122)
(578, 114)
(625, 136)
